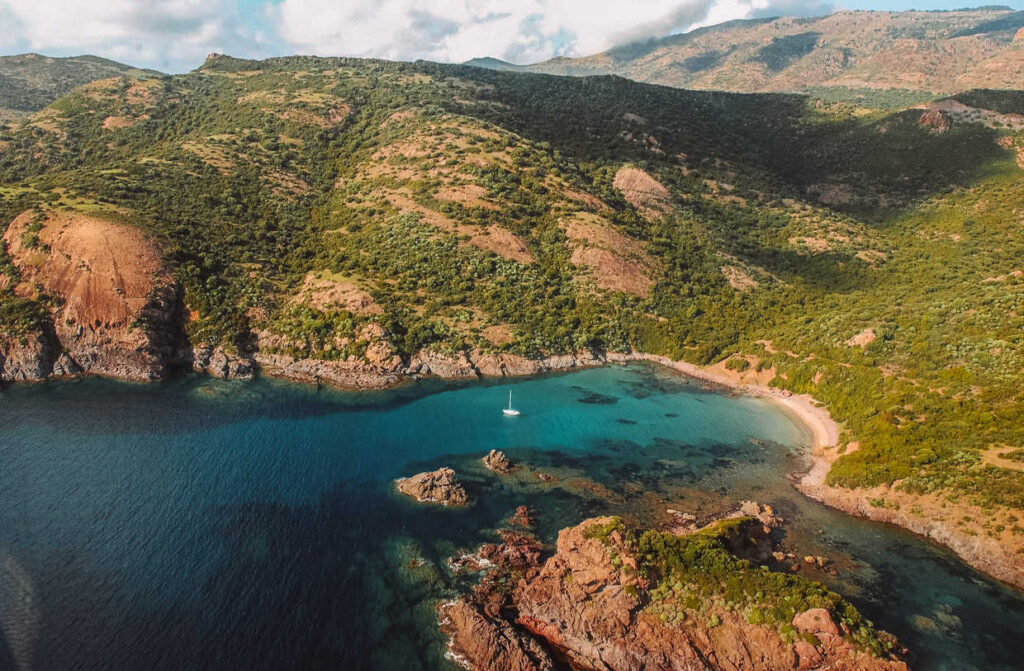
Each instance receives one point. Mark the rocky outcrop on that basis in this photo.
(31, 358)
(589, 604)
(524, 517)
(515, 550)
(440, 486)
(497, 462)
(217, 362)
(934, 120)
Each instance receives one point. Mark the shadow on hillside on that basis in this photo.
(890, 163)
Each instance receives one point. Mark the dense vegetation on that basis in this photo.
(696, 576)
(868, 260)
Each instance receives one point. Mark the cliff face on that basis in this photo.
(114, 308)
(590, 605)
(30, 359)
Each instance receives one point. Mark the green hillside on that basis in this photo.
(29, 82)
(872, 261)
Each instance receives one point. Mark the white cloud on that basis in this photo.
(170, 34)
(176, 35)
(523, 30)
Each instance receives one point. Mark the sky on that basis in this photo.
(177, 35)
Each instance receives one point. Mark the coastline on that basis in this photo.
(931, 516)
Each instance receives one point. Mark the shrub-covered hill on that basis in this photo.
(365, 212)
(29, 82)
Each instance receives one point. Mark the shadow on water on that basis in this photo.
(210, 402)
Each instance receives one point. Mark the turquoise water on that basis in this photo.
(210, 524)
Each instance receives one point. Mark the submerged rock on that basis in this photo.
(524, 517)
(440, 486)
(497, 462)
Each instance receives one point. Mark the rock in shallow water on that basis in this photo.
(440, 486)
(482, 642)
(497, 462)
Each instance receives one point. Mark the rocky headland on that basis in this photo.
(614, 598)
(116, 311)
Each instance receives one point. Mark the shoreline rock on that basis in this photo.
(477, 641)
(440, 486)
(987, 555)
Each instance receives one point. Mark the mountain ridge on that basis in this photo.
(29, 82)
(847, 55)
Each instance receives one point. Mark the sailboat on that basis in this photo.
(510, 411)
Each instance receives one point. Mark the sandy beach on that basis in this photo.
(823, 429)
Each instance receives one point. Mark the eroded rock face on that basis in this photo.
(29, 359)
(433, 363)
(481, 642)
(497, 462)
(117, 313)
(586, 604)
(440, 486)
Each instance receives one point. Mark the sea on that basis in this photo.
(211, 524)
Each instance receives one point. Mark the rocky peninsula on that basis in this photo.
(616, 598)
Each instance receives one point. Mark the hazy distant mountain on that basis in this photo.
(29, 82)
(848, 55)
(495, 64)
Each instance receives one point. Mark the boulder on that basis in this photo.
(815, 621)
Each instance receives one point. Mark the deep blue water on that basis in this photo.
(210, 524)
